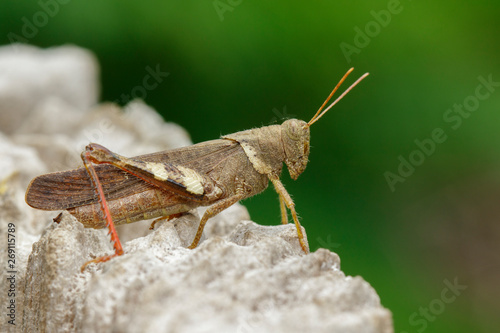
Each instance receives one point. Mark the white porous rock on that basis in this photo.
(158, 285)
(29, 76)
(243, 277)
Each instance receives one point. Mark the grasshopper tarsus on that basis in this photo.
(58, 218)
(100, 259)
(216, 173)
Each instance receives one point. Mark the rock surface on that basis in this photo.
(243, 277)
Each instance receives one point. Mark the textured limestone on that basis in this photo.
(252, 280)
(29, 76)
(243, 277)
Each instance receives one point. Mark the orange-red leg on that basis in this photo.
(105, 209)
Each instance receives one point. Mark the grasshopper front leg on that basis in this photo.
(287, 200)
(284, 214)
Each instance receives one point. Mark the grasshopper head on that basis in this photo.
(295, 135)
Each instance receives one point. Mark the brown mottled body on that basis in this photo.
(145, 205)
(114, 189)
(130, 199)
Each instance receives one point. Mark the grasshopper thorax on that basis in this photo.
(295, 135)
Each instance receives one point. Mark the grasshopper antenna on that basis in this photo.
(320, 114)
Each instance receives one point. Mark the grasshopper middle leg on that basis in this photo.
(211, 212)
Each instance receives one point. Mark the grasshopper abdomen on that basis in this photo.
(150, 204)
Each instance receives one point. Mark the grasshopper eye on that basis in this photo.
(294, 129)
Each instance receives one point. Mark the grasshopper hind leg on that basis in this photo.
(105, 209)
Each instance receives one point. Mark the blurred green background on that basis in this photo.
(239, 64)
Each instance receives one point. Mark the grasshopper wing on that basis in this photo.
(73, 188)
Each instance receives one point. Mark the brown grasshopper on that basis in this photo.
(217, 173)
